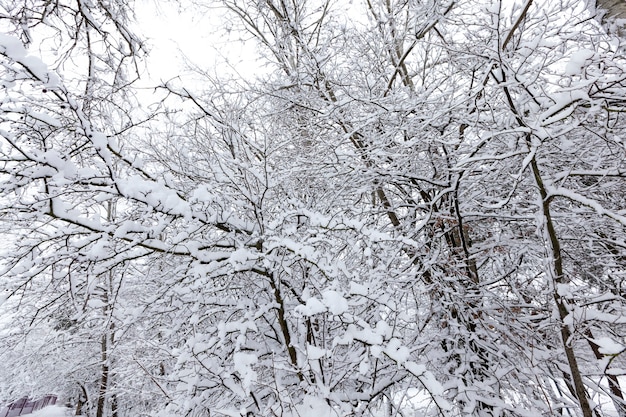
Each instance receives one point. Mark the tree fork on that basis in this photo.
(284, 328)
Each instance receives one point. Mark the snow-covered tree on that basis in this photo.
(415, 207)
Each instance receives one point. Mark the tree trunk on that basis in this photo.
(82, 400)
(104, 378)
(608, 13)
(558, 277)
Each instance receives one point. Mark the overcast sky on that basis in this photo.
(177, 37)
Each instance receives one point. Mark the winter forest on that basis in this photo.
(402, 208)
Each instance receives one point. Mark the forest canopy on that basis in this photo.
(412, 208)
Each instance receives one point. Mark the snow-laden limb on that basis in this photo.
(588, 202)
(12, 48)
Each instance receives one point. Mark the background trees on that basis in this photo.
(415, 207)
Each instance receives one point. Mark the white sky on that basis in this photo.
(176, 37)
